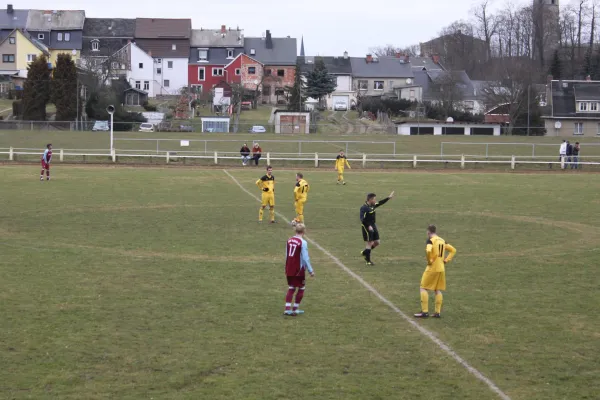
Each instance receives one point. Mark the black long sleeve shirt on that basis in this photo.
(367, 212)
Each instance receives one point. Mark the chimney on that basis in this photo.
(436, 59)
(150, 53)
(9, 9)
(399, 55)
(269, 43)
(128, 41)
(588, 78)
(369, 58)
(345, 55)
(223, 29)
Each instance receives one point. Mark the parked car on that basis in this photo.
(186, 128)
(146, 127)
(257, 129)
(339, 106)
(101, 126)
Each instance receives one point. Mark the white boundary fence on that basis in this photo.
(216, 158)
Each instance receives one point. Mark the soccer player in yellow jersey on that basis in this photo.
(267, 185)
(434, 277)
(300, 196)
(340, 164)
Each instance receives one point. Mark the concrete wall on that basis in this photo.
(591, 128)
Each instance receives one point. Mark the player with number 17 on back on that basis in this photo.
(296, 264)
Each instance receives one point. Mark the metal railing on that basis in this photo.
(534, 148)
(365, 160)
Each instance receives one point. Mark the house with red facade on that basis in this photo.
(278, 57)
(210, 51)
(247, 71)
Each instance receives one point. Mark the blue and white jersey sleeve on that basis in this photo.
(304, 258)
(45, 157)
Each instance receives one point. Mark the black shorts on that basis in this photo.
(370, 236)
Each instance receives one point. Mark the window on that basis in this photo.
(138, 84)
(141, 65)
(197, 89)
(158, 71)
(146, 85)
(267, 72)
(280, 72)
(203, 55)
(229, 53)
(12, 40)
(173, 47)
(159, 60)
(578, 128)
(31, 57)
(251, 70)
(59, 36)
(412, 95)
(95, 45)
(598, 133)
(279, 91)
(363, 85)
(252, 52)
(166, 83)
(391, 84)
(115, 65)
(583, 106)
(8, 58)
(41, 36)
(266, 90)
(201, 74)
(593, 106)
(378, 85)
(67, 37)
(238, 71)
(170, 64)
(217, 72)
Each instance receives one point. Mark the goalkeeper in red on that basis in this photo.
(434, 277)
(296, 264)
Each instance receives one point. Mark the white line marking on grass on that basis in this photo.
(472, 370)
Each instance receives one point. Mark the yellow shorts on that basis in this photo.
(268, 199)
(299, 204)
(433, 280)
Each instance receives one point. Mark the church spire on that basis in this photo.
(302, 47)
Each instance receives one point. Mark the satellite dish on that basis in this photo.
(557, 125)
(450, 120)
(408, 81)
(256, 81)
(74, 52)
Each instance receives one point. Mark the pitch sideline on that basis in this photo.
(472, 370)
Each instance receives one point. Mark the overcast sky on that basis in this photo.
(329, 26)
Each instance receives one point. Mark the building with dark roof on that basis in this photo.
(11, 19)
(574, 108)
(278, 55)
(466, 95)
(341, 69)
(384, 77)
(102, 37)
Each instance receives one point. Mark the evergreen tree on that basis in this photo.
(297, 91)
(64, 88)
(556, 66)
(36, 90)
(318, 82)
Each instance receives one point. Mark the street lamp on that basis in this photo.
(111, 110)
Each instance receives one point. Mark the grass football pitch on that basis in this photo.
(141, 283)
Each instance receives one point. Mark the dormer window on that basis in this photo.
(59, 36)
(587, 106)
(252, 52)
(67, 37)
(173, 47)
(95, 45)
(229, 53)
(203, 55)
(41, 36)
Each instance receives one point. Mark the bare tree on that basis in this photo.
(486, 24)
(447, 91)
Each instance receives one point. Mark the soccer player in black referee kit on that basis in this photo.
(369, 227)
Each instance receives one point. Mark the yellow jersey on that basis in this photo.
(266, 182)
(301, 190)
(341, 162)
(436, 254)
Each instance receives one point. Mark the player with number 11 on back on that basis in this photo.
(297, 262)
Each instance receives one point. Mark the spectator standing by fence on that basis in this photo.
(575, 153)
(245, 153)
(569, 154)
(562, 152)
(256, 153)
